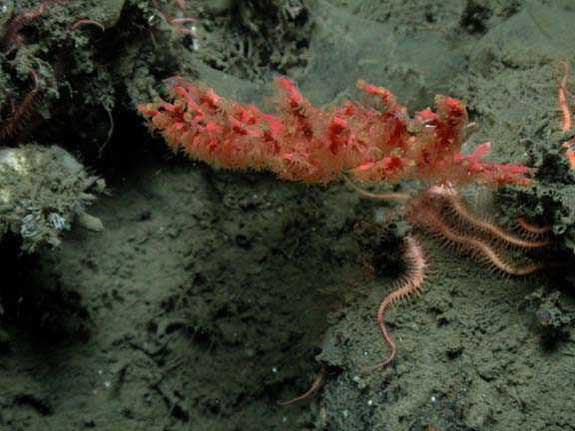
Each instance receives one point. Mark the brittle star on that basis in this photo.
(441, 212)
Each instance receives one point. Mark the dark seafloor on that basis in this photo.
(210, 295)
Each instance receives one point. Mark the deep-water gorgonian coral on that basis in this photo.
(306, 143)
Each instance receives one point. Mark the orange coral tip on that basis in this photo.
(427, 116)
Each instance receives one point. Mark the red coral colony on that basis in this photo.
(360, 143)
(306, 143)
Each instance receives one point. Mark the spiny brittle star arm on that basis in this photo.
(410, 284)
(477, 247)
(460, 210)
(567, 125)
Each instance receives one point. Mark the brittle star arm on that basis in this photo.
(459, 209)
(311, 392)
(428, 218)
(566, 113)
(393, 197)
(410, 284)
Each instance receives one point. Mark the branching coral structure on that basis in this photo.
(305, 143)
(359, 143)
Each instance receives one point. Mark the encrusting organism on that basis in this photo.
(43, 188)
(10, 37)
(11, 40)
(17, 120)
(361, 144)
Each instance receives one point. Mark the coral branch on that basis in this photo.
(305, 143)
(357, 143)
